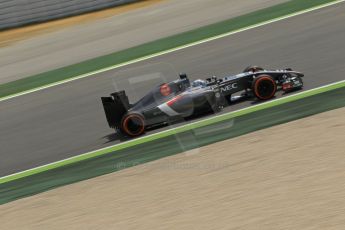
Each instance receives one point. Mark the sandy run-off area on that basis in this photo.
(291, 176)
(8, 37)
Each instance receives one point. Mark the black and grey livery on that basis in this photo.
(181, 99)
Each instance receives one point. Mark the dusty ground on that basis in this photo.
(287, 177)
(9, 37)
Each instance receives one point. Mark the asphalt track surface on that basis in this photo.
(68, 120)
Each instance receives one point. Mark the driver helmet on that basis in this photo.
(199, 83)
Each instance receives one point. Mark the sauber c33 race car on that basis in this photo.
(182, 99)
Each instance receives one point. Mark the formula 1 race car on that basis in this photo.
(181, 99)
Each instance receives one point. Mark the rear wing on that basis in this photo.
(115, 107)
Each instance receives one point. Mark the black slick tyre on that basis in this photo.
(253, 69)
(264, 87)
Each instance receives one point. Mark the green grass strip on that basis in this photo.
(78, 70)
(214, 130)
(174, 131)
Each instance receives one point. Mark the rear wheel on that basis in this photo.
(133, 124)
(253, 68)
(264, 87)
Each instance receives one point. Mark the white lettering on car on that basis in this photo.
(229, 87)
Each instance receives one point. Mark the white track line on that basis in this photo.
(172, 50)
(175, 128)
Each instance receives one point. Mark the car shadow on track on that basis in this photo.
(115, 137)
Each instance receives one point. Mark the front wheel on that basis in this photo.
(264, 87)
(133, 124)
